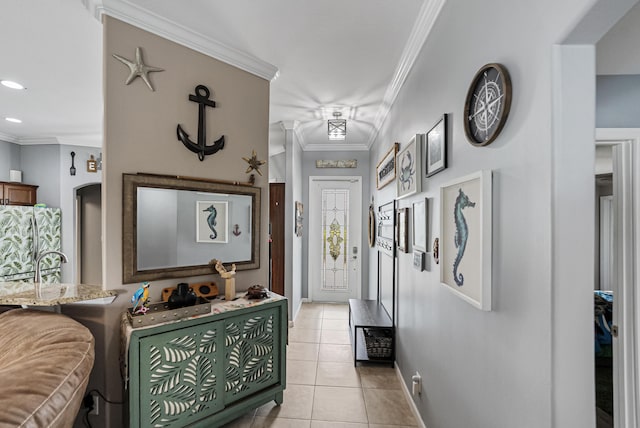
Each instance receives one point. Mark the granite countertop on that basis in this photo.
(42, 294)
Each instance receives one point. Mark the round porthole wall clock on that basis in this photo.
(487, 106)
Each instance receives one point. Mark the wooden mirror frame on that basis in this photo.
(130, 184)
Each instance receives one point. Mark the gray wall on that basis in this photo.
(40, 166)
(277, 168)
(618, 101)
(528, 362)
(309, 169)
(9, 159)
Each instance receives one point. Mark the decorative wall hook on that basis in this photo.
(236, 230)
(202, 98)
(72, 170)
(92, 165)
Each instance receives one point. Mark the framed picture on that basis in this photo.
(418, 260)
(420, 225)
(465, 238)
(386, 169)
(408, 162)
(299, 217)
(212, 218)
(403, 231)
(436, 147)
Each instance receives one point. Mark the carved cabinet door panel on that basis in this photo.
(182, 379)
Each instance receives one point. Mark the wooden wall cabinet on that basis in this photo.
(207, 371)
(17, 193)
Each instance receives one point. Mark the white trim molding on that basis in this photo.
(130, 13)
(421, 30)
(626, 161)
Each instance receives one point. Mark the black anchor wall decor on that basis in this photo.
(202, 98)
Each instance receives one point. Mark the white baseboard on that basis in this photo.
(409, 398)
(290, 324)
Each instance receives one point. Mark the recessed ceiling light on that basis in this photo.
(11, 84)
(12, 119)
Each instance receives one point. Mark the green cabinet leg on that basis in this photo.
(279, 398)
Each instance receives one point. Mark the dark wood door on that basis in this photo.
(276, 226)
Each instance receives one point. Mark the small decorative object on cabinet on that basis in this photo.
(17, 194)
(208, 370)
(372, 333)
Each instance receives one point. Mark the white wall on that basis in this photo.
(293, 243)
(277, 168)
(499, 368)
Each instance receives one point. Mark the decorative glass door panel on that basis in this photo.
(335, 232)
(335, 241)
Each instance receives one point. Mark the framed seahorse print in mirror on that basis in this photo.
(408, 164)
(465, 238)
(212, 222)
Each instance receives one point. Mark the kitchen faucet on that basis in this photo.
(38, 276)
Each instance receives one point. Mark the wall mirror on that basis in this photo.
(173, 226)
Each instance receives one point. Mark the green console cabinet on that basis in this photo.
(207, 371)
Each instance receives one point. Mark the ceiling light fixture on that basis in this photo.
(337, 127)
(12, 119)
(11, 84)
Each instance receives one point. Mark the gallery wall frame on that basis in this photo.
(435, 152)
(402, 236)
(420, 224)
(386, 168)
(212, 222)
(299, 211)
(465, 238)
(409, 162)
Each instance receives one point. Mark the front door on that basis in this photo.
(335, 234)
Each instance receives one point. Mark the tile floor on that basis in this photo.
(324, 389)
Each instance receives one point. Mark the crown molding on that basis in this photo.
(84, 140)
(8, 138)
(142, 18)
(335, 147)
(37, 141)
(421, 29)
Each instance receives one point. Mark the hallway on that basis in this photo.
(324, 389)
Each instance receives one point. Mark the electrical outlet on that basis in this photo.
(96, 403)
(416, 384)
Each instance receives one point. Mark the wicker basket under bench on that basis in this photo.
(372, 333)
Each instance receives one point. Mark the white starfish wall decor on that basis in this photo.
(138, 68)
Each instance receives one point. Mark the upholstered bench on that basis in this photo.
(45, 362)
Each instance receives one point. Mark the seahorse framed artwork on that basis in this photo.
(465, 238)
(408, 163)
(212, 222)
